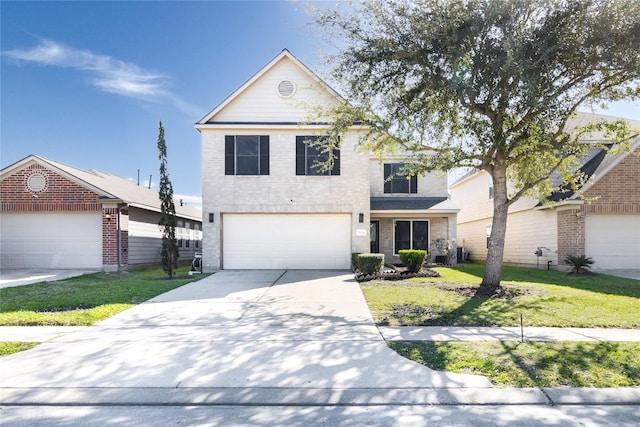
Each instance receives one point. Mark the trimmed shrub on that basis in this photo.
(354, 259)
(370, 263)
(412, 258)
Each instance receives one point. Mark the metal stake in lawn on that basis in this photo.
(521, 329)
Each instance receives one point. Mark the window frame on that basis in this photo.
(231, 155)
(392, 170)
(411, 232)
(303, 165)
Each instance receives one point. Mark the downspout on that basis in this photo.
(119, 242)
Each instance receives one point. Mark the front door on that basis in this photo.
(375, 237)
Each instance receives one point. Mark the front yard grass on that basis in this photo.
(543, 364)
(84, 300)
(544, 298)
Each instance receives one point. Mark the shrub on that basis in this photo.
(412, 258)
(370, 263)
(354, 259)
(579, 263)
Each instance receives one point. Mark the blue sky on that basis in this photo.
(86, 83)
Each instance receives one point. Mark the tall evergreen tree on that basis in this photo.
(167, 211)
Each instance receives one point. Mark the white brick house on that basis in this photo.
(264, 206)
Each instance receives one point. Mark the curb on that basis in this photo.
(143, 396)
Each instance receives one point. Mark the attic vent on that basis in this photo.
(36, 182)
(286, 89)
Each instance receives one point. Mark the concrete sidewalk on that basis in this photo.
(389, 333)
(445, 333)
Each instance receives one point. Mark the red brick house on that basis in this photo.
(56, 216)
(602, 223)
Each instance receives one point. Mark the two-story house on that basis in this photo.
(603, 223)
(266, 205)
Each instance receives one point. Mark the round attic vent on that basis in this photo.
(36, 182)
(286, 89)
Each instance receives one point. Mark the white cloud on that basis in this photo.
(105, 72)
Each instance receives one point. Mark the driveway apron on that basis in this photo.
(244, 329)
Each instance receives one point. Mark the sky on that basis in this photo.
(87, 83)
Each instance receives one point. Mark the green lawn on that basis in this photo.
(514, 364)
(544, 298)
(10, 347)
(84, 300)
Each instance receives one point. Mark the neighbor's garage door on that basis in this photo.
(296, 241)
(613, 241)
(51, 240)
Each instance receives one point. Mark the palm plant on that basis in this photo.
(579, 263)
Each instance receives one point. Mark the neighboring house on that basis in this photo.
(56, 216)
(604, 224)
(266, 206)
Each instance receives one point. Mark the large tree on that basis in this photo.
(168, 220)
(487, 84)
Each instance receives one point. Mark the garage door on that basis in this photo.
(295, 241)
(51, 240)
(613, 241)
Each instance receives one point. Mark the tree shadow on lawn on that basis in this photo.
(600, 283)
(530, 364)
(504, 311)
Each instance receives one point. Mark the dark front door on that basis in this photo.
(375, 237)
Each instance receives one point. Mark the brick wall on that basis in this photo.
(570, 233)
(618, 192)
(60, 194)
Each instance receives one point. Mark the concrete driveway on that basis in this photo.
(10, 278)
(233, 337)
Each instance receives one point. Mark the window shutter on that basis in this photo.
(387, 174)
(264, 155)
(229, 155)
(300, 157)
(336, 162)
(413, 184)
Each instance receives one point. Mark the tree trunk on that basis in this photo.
(495, 251)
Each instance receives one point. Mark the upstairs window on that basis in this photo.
(310, 157)
(395, 181)
(246, 155)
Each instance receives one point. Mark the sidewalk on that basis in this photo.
(389, 333)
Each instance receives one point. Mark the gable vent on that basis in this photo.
(36, 182)
(286, 89)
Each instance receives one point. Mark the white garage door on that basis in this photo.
(51, 240)
(613, 241)
(295, 241)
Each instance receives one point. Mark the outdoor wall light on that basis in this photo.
(210, 216)
(578, 214)
(108, 217)
(361, 217)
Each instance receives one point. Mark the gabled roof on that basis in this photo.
(285, 54)
(106, 185)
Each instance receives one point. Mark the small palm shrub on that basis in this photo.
(412, 258)
(579, 263)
